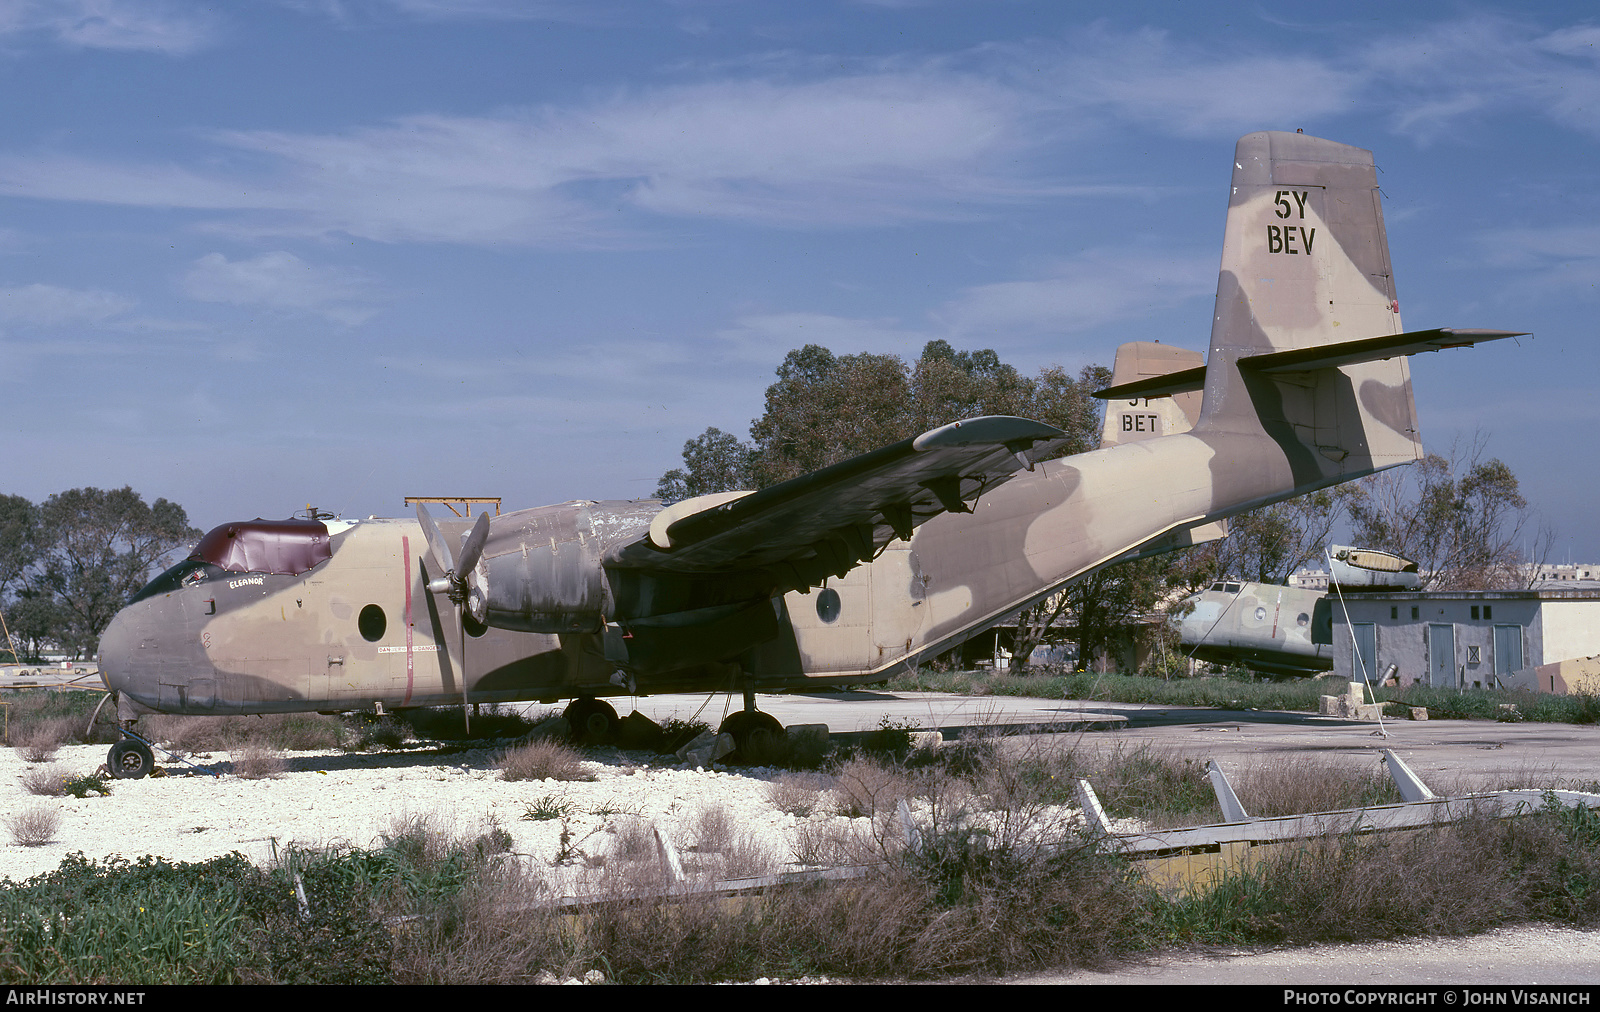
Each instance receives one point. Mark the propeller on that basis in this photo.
(455, 583)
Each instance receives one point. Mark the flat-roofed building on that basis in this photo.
(1464, 639)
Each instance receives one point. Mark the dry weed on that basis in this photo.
(39, 743)
(34, 827)
(732, 853)
(44, 782)
(830, 842)
(865, 786)
(257, 763)
(543, 760)
(796, 793)
(1301, 785)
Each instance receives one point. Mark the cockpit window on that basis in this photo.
(188, 573)
(284, 547)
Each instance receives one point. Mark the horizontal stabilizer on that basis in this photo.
(1322, 356)
(1183, 382)
(1333, 356)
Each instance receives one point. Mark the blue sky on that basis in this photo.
(260, 254)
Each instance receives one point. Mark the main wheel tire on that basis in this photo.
(759, 738)
(592, 720)
(130, 759)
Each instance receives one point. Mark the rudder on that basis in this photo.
(1305, 264)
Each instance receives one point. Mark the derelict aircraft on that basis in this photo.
(842, 576)
(1283, 630)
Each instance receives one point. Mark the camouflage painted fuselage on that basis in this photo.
(571, 609)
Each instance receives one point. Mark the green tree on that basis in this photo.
(1266, 545)
(19, 539)
(1460, 518)
(96, 548)
(19, 547)
(714, 461)
(826, 408)
(34, 619)
(1111, 600)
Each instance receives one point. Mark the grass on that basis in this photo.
(977, 896)
(1243, 692)
(61, 715)
(83, 785)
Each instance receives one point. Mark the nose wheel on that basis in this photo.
(130, 759)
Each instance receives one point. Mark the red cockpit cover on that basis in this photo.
(285, 547)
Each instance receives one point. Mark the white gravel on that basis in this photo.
(332, 798)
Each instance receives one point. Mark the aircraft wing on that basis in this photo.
(825, 523)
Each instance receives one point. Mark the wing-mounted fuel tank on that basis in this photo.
(541, 568)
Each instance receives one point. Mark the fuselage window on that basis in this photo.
(372, 623)
(828, 604)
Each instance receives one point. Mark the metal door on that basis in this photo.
(1442, 656)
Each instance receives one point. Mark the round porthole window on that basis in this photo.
(827, 604)
(1261, 614)
(372, 623)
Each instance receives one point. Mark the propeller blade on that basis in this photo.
(466, 714)
(438, 547)
(472, 544)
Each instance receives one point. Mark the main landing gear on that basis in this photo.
(759, 739)
(591, 720)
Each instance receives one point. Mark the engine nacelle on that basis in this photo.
(541, 569)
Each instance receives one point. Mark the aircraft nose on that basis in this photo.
(126, 666)
(116, 646)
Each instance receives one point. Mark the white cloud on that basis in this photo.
(169, 27)
(283, 281)
(858, 150)
(768, 337)
(452, 10)
(1090, 291)
(1555, 257)
(792, 145)
(54, 306)
(1434, 78)
(1196, 90)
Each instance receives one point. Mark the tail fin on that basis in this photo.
(1305, 264)
(1306, 346)
(1131, 419)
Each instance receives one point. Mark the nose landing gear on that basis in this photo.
(130, 759)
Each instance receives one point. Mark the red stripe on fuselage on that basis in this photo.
(405, 551)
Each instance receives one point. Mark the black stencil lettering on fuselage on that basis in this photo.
(1140, 423)
(1284, 208)
(1295, 239)
(1290, 239)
